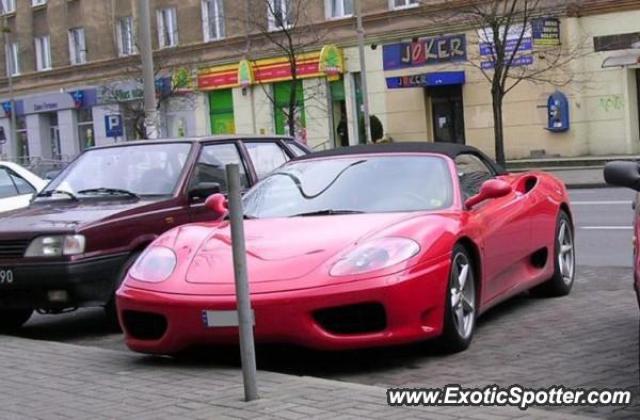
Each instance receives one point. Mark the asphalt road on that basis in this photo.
(593, 332)
(604, 232)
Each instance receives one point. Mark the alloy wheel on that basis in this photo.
(463, 296)
(566, 252)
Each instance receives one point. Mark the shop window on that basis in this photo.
(221, 112)
(85, 129)
(23, 142)
(282, 98)
(357, 87)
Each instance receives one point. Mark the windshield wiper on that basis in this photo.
(109, 191)
(327, 212)
(54, 192)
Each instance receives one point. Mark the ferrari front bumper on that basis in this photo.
(413, 305)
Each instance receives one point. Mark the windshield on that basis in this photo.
(370, 184)
(140, 170)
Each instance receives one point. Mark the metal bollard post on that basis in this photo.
(245, 314)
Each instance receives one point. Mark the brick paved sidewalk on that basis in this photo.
(47, 380)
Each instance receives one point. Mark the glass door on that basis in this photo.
(447, 111)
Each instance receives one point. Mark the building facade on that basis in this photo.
(221, 68)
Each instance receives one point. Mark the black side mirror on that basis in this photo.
(623, 174)
(203, 190)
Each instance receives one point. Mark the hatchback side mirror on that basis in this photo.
(623, 174)
(203, 190)
(493, 188)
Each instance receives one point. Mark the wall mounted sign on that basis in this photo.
(425, 51)
(331, 61)
(523, 60)
(245, 74)
(6, 108)
(58, 101)
(518, 46)
(273, 70)
(546, 32)
(445, 78)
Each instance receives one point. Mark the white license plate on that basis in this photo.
(223, 319)
(6, 276)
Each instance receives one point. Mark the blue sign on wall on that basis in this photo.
(113, 125)
(546, 32)
(425, 51)
(444, 78)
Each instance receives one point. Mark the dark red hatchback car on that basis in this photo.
(71, 247)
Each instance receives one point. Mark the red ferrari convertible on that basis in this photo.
(359, 247)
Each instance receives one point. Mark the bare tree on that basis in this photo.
(284, 28)
(506, 54)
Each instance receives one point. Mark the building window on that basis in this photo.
(7, 6)
(403, 4)
(339, 8)
(280, 14)
(212, 20)
(35, 3)
(43, 53)
(167, 27)
(77, 46)
(124, 32)
(85, 128)
(13, 56)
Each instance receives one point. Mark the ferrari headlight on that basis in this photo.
(155, 265)
(375, 255)
(56, 246)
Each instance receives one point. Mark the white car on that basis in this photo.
(17, 186)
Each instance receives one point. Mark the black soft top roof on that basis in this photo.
(447, 149)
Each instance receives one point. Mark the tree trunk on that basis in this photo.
(498, 129)
(293, 99)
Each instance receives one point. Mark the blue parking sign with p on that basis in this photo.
(113, 125)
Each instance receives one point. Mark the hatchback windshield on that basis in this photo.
(139, 170)
(369, 184)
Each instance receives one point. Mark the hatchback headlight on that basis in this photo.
(154, 265)
(374, 255)
(56, 246)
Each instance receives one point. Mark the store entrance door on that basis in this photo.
(447, 112)
(54, 137)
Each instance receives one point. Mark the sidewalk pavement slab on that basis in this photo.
(48, 380)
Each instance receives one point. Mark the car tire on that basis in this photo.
(12, 319)
(460, 304)
(564, 261)
(110, 309)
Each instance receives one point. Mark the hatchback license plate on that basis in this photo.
(6, 276)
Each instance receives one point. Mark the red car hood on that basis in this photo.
(282, 249)
(286, 254)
